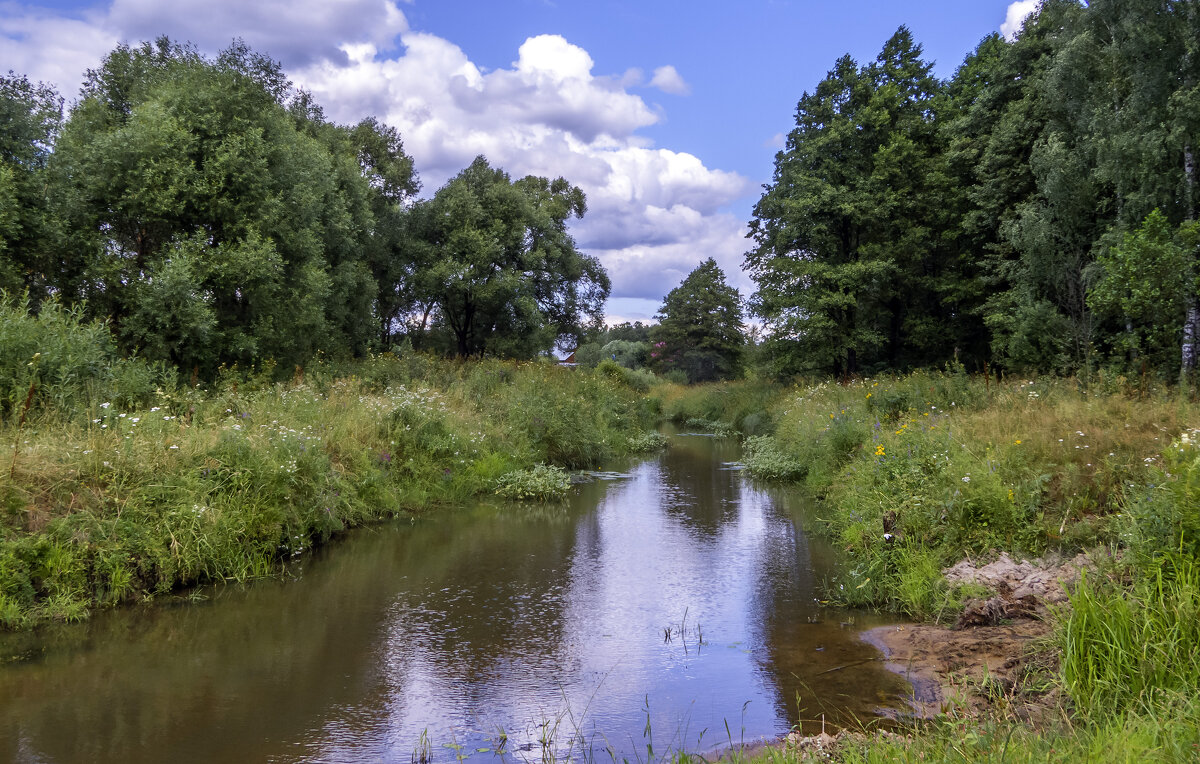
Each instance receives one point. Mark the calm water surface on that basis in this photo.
(676, 596)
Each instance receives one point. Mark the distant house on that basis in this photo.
(569, 361)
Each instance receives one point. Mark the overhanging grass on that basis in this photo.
(101, 504)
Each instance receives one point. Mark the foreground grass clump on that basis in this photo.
(104, 502)
(1166, 738)
(538, 483)
(1133, 648)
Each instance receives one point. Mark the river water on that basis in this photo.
(670, 605)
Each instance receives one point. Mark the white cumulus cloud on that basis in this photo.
(1015, 16)
(668, 80)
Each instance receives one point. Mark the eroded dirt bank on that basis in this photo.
(998, 653)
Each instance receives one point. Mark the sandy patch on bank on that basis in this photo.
(998, 653)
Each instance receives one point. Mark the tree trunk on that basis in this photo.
(1188, 354)
(1191, 324)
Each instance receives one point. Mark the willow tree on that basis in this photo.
(503, 271)
(218, 218)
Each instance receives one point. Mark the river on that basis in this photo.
(671, 604)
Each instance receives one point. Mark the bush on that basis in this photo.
(765, 459)
(647, 442)
(538, 483)
(66, 361)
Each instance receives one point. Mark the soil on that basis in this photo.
(998, 655)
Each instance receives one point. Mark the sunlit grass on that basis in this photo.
(105, 503)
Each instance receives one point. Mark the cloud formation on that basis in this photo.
(668, 80)
(653, 213)
(1015, 16)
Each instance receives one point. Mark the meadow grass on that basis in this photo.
(919, 471)
(103, 503)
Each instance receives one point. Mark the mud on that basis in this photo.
(999, 655)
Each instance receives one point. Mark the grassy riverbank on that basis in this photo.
(918, 472)
(117, 484)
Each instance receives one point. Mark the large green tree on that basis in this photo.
(30, 117)
(850, 258)
(219, 218)
(699, 329)
(503, 275)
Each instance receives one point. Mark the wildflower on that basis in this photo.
(135, 420)
(879, 450)
(174, 448)
(105, 405)
(868, 395)
(966, 479)
(1017, 442)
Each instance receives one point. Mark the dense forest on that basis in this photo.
(1036, 211)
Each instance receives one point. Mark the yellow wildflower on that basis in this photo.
(879, 450)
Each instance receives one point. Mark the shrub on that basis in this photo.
(539, 483)
(647, 442)
(66, 361)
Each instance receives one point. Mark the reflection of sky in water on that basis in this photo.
(472, 625)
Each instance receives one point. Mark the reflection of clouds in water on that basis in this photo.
(486, 618)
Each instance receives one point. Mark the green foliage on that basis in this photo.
(66, 362)
(635, 379)
(852, 266)
(216, 223)
(1000, 216)
(1148, 282)
(30, 118)
(185, 486)
(504, 274)
(647, 442)
(1130, 650)
(538, 483)
(1163, 516)
(764, 458)
(700, 328)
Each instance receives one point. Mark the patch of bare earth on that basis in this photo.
(996, 656)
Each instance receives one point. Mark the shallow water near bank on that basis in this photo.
(671, 603)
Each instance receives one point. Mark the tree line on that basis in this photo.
(1036, 211)
(213, 216)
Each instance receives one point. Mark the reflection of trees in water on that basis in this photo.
(404, 624)
(700, 494)
(247, 674)
(819, 664)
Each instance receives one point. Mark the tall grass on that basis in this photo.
(106, 498)
(921, 470)
(1131, 648)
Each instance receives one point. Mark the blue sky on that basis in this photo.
(667, 113)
